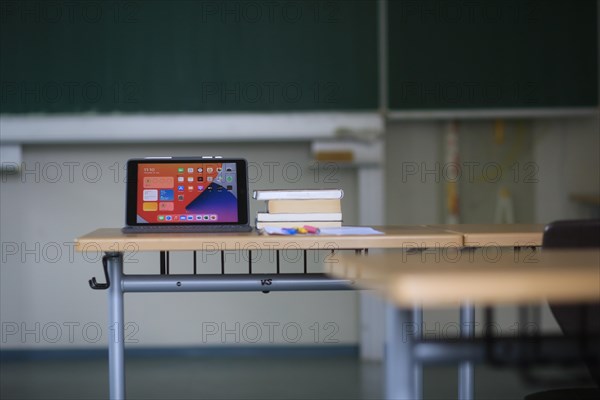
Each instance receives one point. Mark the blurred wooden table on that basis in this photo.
(479, 276)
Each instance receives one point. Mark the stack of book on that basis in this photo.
(321, 208)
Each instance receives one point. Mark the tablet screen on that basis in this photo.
(184, 192)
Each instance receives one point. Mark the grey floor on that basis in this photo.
(341, 377)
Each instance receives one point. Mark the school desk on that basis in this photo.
(114, 244)
(477, 277)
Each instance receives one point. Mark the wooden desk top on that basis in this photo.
(478, 235)
(483, 277)
(112, 239)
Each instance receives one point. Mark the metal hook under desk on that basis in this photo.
(101, 286)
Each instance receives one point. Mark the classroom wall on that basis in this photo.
(43, 284)
(568, 155)
(45, 300)
(490, 161)
(541, 162)
(410, 197)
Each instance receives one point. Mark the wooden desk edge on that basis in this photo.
(482, 235)
(108, 239)
(436, 286)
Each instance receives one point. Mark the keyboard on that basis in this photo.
(187, 229)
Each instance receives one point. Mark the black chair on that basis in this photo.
(580, 319)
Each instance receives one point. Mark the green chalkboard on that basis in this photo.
(446, 54)
(187, 56)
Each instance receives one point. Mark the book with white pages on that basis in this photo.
(288, 224)
(304, 206)
(267, 217)
(298, 194)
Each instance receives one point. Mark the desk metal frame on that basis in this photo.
(403, 375)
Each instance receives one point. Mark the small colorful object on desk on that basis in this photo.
(312, 229)
(303, 230)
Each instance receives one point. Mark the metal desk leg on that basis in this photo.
(116, 348)
(399, 366)
(418, 321)
(466, 370)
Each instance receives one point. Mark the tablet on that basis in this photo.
(187, 194)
